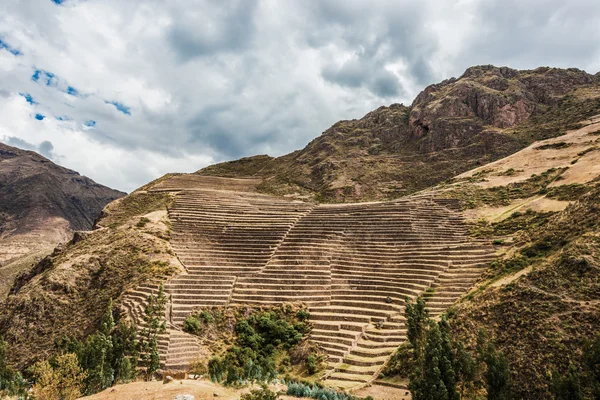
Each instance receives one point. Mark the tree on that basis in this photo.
(497, 374)
(60, 380)
(567, 386)
(154, 325)
(417, 318)
(435, 379)
(106, 356)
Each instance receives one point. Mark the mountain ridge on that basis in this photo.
(41, 205)
(450, 127)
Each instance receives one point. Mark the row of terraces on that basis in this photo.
(354, 265)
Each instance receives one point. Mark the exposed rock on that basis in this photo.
(168, 379)
(184, 397)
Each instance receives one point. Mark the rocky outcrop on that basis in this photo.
(488, 96)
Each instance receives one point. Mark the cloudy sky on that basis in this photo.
(125, 91)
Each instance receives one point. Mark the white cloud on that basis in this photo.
(205, 81)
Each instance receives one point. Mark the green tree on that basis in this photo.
(497, 373)
(435, 379)
(417, 321)
(567, 386)
(154, 325)
(106, 356)
(61, 379)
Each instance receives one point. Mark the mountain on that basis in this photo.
(498, 164)
(41, 204)
(451, 127)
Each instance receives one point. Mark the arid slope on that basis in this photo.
(41, 204)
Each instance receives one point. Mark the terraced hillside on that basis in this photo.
(352, 264)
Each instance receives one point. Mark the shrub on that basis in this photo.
(206, 317)
(258, 339)
(264, 393)
(11, 382)
(191, 325)
(303, 315)
(311, 364)
(316, 392)
(142, 222)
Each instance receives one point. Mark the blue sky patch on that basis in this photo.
(58, 2)
(91, 123)
(39, 117)
(9, 48)
(120, 106)
(48, 77)
(63, 118)
(72, 91)
(28, 98)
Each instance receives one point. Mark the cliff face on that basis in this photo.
(451, 127)
(41, 204)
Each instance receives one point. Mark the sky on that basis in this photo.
(126, 91)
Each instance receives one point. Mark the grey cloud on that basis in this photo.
(215, 27)
(361, 72)
(45, 148)
(209, 80)
(536, 33)
(20, 143)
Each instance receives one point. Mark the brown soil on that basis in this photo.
(533, 160)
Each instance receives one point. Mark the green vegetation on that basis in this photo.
(266, 342)
(557, 145)
(11, 382)
(316, 392)
(264, 393)
(154, 325)
(440, 367)
(142, 222)
(552, 309)
(60, 378)
(108, 356)
(570, 192)
(473, 196)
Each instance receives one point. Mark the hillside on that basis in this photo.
(41, 204)
(451, 127)
(540, 300)
(476, 202)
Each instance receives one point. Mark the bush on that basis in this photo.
(311, 364)
(316, 392)
(303, 315)
(264, 393)
(142, 222)
(258, 339)
(191, 325)
(206, 317)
